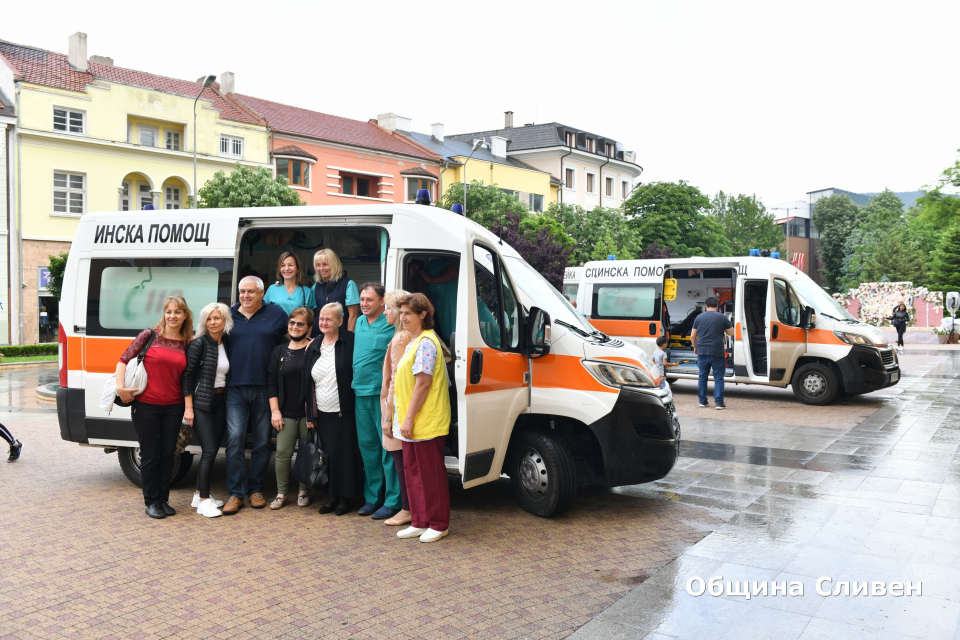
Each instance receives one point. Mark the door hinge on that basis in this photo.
(526, 377)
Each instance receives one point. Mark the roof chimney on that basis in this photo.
(437, 132)
(393, 122)
(508, 119)
(106, 61)
(498, 146)
(226, 82)
(77, 56)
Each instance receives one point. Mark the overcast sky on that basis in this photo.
(771, 98)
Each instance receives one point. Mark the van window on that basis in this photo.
(788, 307)
(497, 307)
(570, 291)
(126, 296)
(626, 302)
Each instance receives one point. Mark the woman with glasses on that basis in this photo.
(287, 406)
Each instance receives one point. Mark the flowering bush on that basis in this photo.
(877, 300)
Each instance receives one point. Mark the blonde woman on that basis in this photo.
(157, 412)
(289, 292)
(332, 287)
(394, 352)
(205, 394)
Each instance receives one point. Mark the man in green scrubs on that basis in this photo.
(443, 276)
(381, 488)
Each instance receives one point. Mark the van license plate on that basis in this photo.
(894, 376)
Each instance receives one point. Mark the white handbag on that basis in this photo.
(134, 378)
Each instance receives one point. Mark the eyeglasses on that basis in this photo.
(294, 323)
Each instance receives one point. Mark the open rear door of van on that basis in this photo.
(491, 369)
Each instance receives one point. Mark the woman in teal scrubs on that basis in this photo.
(289, 291)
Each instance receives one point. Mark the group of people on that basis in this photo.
(361, 366)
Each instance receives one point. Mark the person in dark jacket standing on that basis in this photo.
(257, 329)
(205, 395)
(900, 319)
(327, 388)
(332, 287)
(707, 338)
(287, 407)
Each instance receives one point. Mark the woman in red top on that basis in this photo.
(158, 412)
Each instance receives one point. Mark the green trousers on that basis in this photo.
(380, 484)
(293, 429)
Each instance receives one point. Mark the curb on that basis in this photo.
(25, 365)
(48, 392)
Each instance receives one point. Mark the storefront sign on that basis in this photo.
(43, 277)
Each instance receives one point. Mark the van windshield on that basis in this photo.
(821, 301)
(544, 295)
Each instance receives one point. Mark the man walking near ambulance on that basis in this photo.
(707, 337)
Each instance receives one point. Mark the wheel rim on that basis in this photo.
(533, 474)
(135, 457)
(814, 384)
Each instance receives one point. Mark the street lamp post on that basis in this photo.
(206, 83)
(476, 145)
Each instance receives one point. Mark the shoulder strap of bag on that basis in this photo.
(143, 352)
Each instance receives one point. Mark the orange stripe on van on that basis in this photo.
(823, 336)
(501, 371)
(627, 328)
(565, 372)
(789, 334)
(737, 335)
(99, 355)
(75, 353)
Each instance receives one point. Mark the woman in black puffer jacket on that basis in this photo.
(900, 319)
(204, 385)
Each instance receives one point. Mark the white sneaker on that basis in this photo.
(196, 501)
(209, 508)
(432, 535)
(411, 532)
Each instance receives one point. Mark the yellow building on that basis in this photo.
(91, 136)
(488, 163)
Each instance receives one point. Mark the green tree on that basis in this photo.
(894, 257)
(675, 215)
(597, 233)
(486, 204)
(57, 266)
(836, 217)
(244, 187)
(883, 227)
(946, 261)
(746, 223)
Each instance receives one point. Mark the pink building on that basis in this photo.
(334, 160)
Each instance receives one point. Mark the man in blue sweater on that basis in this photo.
(257, 329)
(707, 339)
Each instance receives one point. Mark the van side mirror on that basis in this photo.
(808, 318)
(538, 333)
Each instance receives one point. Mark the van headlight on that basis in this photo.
(618, 375)
(853, 338)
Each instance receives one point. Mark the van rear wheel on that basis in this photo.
(815, 384)
(130, 464)
(542, 473)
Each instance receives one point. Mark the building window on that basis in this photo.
(590, 183)
(571, 139)
(69, 121)
(173, 140)
(592, 145)
(145, 196)
(296, 172)
(355, 186)
(536, 203)
(415, 184)
(129, 133)
(172, 195)
(611, 150)
(125, 196)
(68, 192)
(625, 187)
(511, 192)
(147, 135)
(570, 179)
(231, 147)
(608, 187)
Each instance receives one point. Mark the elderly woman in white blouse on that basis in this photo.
(327, 387)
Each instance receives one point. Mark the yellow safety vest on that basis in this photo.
(433, 419)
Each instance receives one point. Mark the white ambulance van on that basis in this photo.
(537, 393)
(571, 283)
(788, 331)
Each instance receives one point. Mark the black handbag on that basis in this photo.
(310, 467)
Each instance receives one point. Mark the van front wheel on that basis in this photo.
(542, 473)
(130, 464)
(815, 384)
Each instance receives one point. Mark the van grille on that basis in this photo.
(887, 357)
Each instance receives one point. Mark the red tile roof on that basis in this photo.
(53, 70)
(312, 124)
(293, 150)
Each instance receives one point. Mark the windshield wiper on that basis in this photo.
(844, 320)
(580, 331)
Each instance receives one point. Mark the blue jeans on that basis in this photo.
(247, 404)
(719, 366)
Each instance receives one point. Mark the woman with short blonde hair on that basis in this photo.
(331, 286)
(205, 314)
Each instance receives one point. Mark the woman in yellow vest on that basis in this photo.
(422, 419)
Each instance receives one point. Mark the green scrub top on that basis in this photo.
(369, 351)
(445, 298)
(301, 297)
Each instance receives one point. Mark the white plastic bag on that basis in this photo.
(134, 378)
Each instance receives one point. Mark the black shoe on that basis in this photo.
(328, 507)
(343, 508)
(721, 406)
(168, 510)
(155, 511)
(15, 451)
(368, 509)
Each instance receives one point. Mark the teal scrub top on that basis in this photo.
(302, 297)
(369, 351)
(445, 298)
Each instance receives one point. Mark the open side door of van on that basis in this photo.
(491, 369)
(787, 341)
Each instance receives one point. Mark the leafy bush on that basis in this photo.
(16, 351)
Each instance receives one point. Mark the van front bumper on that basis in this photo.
(639, 438)
(864, 370)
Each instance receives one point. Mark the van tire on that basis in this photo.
(534, 454)
(815, 384)
(130, 464)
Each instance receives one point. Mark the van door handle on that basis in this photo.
(476, 366)
(774, 330)
(653, 329)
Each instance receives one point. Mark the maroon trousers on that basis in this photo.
(428, 490)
